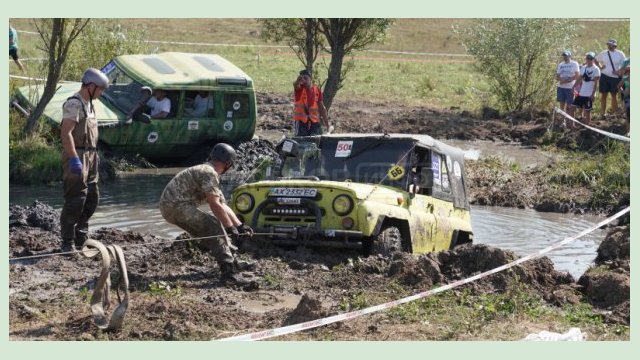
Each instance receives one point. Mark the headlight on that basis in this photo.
(244, 203)
(342, 205)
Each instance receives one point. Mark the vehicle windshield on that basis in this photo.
(364, 160)
(123, 92)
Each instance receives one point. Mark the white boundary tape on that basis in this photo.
(35, 79)
(606, 133)
(265, 334)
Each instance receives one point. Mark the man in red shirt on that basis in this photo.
(308, 107)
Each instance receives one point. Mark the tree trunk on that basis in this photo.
(57, 46)
(334, 80)
(310, 47)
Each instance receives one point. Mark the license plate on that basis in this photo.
(293, 192)
(288, 201)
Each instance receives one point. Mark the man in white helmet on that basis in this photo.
(79, 135)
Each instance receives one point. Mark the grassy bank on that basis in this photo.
(461, 315)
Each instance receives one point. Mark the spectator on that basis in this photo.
(589, 75)
(202, 105)
(567, 72)
(160, 105)
(625, 88)
(608, 61)
(308, 107)
(13, 47)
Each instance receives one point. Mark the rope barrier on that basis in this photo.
(605, 133)
(265, 334)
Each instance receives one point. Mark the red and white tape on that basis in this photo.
(265, 334)
(606, 133)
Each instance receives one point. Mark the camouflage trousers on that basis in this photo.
(81, 196)
(200, 224)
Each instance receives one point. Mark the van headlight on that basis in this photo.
(342, 205)
(244, 203)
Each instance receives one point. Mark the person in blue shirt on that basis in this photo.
(13, 47)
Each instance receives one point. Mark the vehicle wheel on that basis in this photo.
(388, 242)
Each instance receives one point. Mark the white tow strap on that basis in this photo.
(100, 299)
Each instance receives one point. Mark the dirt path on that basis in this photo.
(176, 295)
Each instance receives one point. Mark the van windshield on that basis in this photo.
(364, 160)
(123, 92)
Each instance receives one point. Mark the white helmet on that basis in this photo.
(95, 76)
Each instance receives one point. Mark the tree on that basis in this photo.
(518, 57)
(301, 35)
(56, 35)
(343, 37)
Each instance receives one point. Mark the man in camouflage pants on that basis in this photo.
(79, 135)
(198, 185)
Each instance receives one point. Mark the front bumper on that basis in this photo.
(294, 235)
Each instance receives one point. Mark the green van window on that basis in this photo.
(237, 104)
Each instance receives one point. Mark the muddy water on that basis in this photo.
(130, 203)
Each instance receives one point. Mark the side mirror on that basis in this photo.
(143, 118)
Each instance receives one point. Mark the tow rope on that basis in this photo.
(100, 299)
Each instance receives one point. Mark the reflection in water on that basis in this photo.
(528, 231)
(131, 203)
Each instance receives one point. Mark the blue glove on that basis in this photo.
(76, 165)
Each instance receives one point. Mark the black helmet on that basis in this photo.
(95, 76)
(224, 153)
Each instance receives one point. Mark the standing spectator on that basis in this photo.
(625, 89)
(79, 135)
(13, 47)
(566, 74)
(308, 107)
(160, 104)
(608, 61)
(589, 75)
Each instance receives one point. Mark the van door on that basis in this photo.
(441, 201)
(423, 220)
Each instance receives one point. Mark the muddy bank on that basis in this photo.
(176, 294)
(274, 113)
(607, 285)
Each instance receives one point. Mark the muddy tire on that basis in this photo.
(388, 242)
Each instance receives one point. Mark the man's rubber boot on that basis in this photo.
(230, 276)
(81, 237)
(67, 245)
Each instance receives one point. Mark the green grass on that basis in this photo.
(607, 174)
(440, 82)
(457, 313)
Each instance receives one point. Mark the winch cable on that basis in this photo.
(135, 245)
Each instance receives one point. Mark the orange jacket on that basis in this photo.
(305, 109)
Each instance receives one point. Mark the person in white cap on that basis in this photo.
(567, 73)
(609, 63)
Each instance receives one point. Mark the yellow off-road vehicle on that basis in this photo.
(381, 193)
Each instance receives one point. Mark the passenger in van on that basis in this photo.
(145, 92)
(160, 105)
(202, 105)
